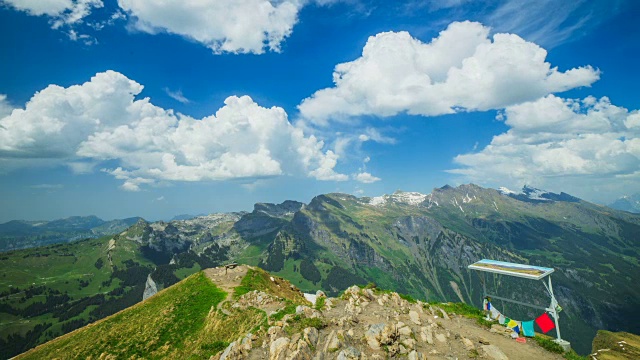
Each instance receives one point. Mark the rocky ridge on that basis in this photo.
(366, 323)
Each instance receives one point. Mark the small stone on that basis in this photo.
(332, 343)
(468, 344)
(311, 336)
(441, 337)
(229, 352)
(278, 349)
(372, 336)
(415, 318)
(405, 331)
(426, 334)
(349, 353)
(414, 355)
(409, 343)
(493, 352)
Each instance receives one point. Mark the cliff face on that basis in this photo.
(422, 244)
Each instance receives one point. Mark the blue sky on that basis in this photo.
(139, 108)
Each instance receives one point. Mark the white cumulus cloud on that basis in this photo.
(365, 177)
(553, 141)
(236, 26)
(463, 69)
(101, 120)
(62, 12)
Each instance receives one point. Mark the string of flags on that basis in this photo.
(526, 328)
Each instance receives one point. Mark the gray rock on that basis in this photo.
(405, 331)
(333, 342)
(150, 288)
(493, 352)
(278, 349)
(415, 318)
(349, 353)
(372, 336)
(311, 336)
(468, 344)
(426, 334)
(228, 353)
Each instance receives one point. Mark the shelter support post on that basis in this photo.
(553, 310)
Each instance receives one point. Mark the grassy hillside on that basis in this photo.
(616, 346)
(48, 291)
(179, 322)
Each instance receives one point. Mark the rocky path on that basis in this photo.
(227, 280)
(366, 325)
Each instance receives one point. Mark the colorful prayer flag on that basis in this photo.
(512, 323)
(494, 313)
(527, 328)
(506, 320)
(545, 323)
(518, 327)
(501, 319)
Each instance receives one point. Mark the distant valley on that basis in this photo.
(416, 244)
(21, 234)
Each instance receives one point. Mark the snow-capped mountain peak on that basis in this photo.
(405, 197)
(531, 194)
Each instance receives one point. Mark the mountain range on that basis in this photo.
(20, 234)
(416, 244)
(630, 203)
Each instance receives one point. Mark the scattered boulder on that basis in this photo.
(468, 344)
(493, 352)
(310, 335)
(333, 342)
(404, 330)
(278, 349)
(378, 335)
(426, 334)
(349, 353)
(500, 329)
(415, 318)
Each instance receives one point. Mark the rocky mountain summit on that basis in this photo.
(255, 315)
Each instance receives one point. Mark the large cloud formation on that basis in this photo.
(237, 26)
(101, 121)
(225, 26)
(462, 69)
(63, 12)
(554, 140)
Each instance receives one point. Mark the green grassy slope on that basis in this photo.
(168, 325)
(180, 322)
(48, 291)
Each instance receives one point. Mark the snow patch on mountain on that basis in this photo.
(404, 197)
(378, 200)
(411, 198)
(504, 191)
(527, 192)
